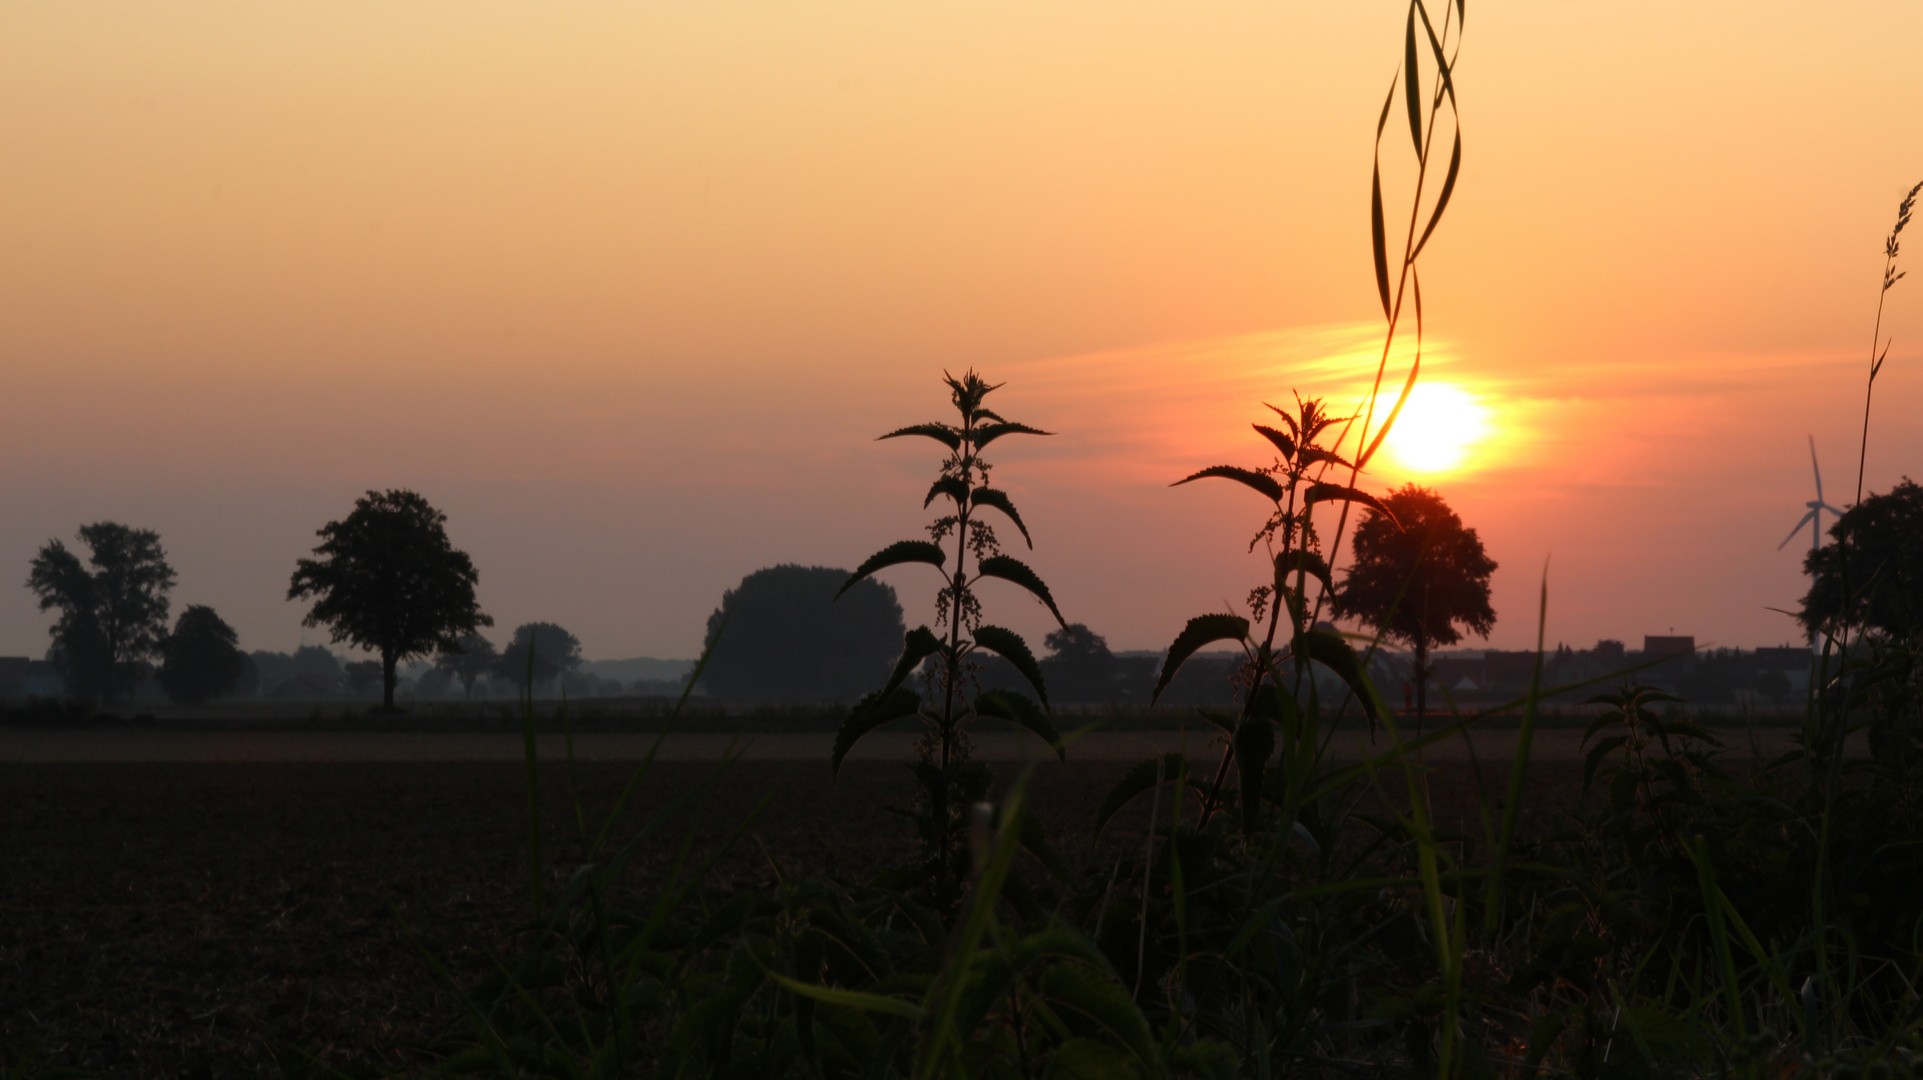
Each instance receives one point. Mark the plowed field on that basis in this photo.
(184, 919)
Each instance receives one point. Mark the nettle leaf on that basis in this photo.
(1001, 566)
(1014, 708)
(1219, 719)
(1594, 759)
(982, 436)
(1254, 741)
(1315, 455)
(1343, 493)
(1139, 781)
(1104, 1003)
(1000, 501)
(1009, 645)
(1295, 430)
(941, 433)
(916, 645)
(1310, 562)
(951, 486)
(1201, 630)
(1334, 653)
(868, 714)
(1283, 444)
(902, 551)
(1259, 481)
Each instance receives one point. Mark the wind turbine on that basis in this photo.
(1816, 508)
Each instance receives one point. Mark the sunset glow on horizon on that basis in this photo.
(628, 291)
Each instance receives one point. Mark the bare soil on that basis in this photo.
(186, 919)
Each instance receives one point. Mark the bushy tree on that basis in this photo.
(556, 653)
(388, 581)
(201, 659)
(787, 636)
(113, 608)
(1079, 666)
(1419, 578)
(362, 676)
(469, 660)
(1879, 542)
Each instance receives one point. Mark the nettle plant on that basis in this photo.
(949, 779)
(1279, 636)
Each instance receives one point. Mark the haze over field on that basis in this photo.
(628, 292)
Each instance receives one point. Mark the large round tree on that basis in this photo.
(788, 638)
(388, 581)
(201, 659)
(543, 649)
(1422, 583)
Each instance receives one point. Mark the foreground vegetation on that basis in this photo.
(1286, 914)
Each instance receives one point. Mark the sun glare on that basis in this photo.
(1437, 428)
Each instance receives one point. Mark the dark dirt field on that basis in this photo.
(184, 920)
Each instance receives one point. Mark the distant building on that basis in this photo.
(1504, 668)
(44, 681)
(1786, 658)
(1657, 646)
(13, 676)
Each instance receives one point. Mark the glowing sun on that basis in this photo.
(1437, 428)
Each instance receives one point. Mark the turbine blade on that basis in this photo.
(1832, 509)
(1799, 528)
(1813, 467)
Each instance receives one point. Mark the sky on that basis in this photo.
(628, 290)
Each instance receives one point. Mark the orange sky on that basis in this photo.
(627, 290)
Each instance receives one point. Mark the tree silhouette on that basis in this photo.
(201, 659)
(110, 616)
(389, 581)
(556, 653)
(470, 659)
(1079, 666)
(361, 676)
(1879, 541)
(1418, 583)
(789, 638)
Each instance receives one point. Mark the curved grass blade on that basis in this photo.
(1378, 233)
(1411, 72)
(852, 999)
(1408, 386)
(1442, 200)
(942, 1038)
